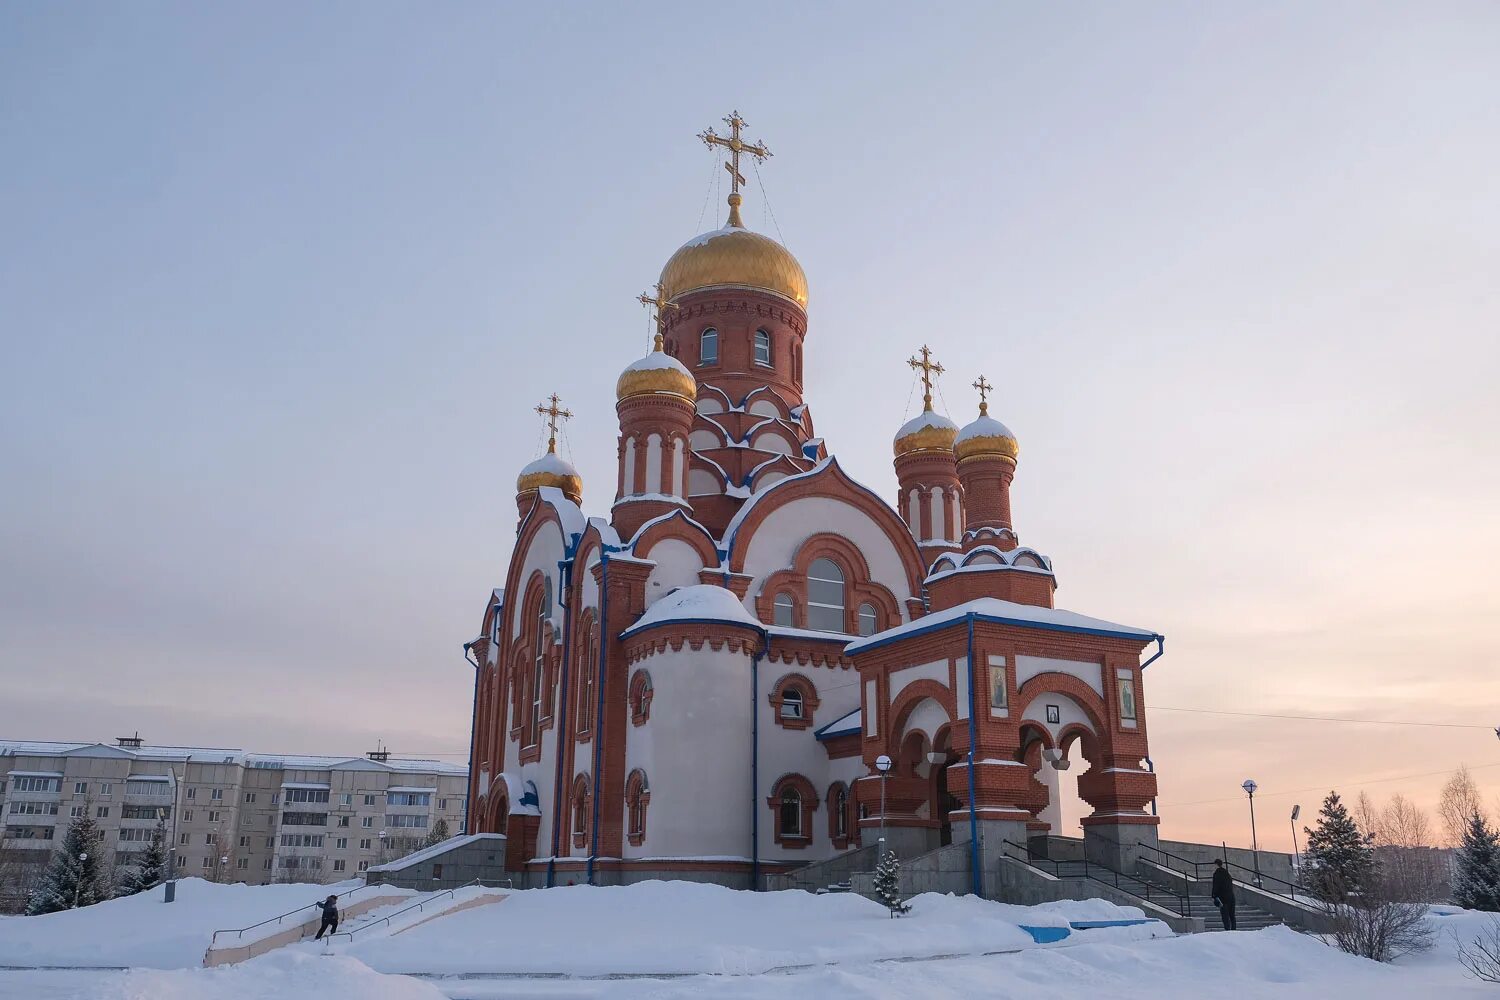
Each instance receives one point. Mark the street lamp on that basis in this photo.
(1296, 855)
(224, 868)
(83, 856)
(883, 765)
(382, 847)
(1250, 786)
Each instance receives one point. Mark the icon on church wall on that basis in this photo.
(1054, 714)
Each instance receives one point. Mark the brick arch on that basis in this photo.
(809, 803)
(828, 481)
(1061, 683)
(498, 807)
(840, 839)
(911, 696)
(579, 816)
(642, 691)
(677, 526)
(1034, 732)
(1089, 742)
(810, 700)
(859, 589)
(637, 799)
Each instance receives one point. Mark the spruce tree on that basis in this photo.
(1476, 867)
(888, 884)
(438, 835)
(1342, 858)
(76, 874)
(150, 868)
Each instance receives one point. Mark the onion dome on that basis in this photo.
(657, 372)
(927, 431)
(734, 256)
(551, 470)
(986, 437)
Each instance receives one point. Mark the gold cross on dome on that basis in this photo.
(553, 413)
(660, 305)
(736, 145)
(929, 368)
(984, 394)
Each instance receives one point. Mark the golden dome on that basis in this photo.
(550, 470)
(734, 256)
(986, 437)
(927, 431)
(657, 372)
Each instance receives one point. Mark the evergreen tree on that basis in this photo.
(150, 868)
(76, 874)
(1476, 867)
(1342, 858)
(888, 884)
(438, 835)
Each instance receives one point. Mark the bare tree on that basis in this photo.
(1481, 956)
(1384, 921)
(1459, 801)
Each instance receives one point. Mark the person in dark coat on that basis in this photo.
(1223, 895)
(330, 908)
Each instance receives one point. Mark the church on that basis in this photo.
(748, 662)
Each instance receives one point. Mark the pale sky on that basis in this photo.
(279, 287)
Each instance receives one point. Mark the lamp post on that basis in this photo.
(382, 847)
(83, 857)
(1296, 854)
(1250, 786)
(883, 765)
(171, 890)
(223, 868)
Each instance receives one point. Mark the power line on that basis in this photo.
(1322, 718)
(1329, 785)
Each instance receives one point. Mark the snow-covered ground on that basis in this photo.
(679, 940)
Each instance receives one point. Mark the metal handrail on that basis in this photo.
(420, 907)
(1256, 879)
(1091, 870)
(239, 932)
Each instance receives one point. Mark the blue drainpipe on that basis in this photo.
(604, 636)
(977, 882)
(473, 723)
(755, 762)
(561, 735)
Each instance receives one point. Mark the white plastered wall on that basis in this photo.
(677, 565)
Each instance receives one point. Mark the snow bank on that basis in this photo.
(277, 976)
(686, 927)
(142, 930)
(700, 602)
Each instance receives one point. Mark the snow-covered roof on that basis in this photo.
(1008, 613)
(700, 602)
(700, 240)
(410, 788)
(552, 463)
(927, 418)
(853, 722)
(442, 847)
(984, 426)
(658, 361)
(33, 748)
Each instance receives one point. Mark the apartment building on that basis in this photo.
(231, 816)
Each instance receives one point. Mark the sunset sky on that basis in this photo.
(280, 286)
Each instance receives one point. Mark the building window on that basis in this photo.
(783, 611)
(307, 795)
(27, 783)
(346, 799)
(825, 596)
(794, 700)
(244, 841)
(341, 843)
(408, 798)
(368, 822)
(75, 812)
(586, 667)
(249, 796)
(762, 348)
(344, 821)
(793, 800)
(217, 795)
(708, 347)
(80, 788)
(338, 864)
(406, 821)
(183, 840)
(187, 815)
(637, 798)
(868, 621)
(364, 866)
(581, 811)
(213, 817)
(242, 864)
(364, 845)
(838, 815)
(442, 805)
(641, 693)
(192, 793)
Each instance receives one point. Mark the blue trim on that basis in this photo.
(977, 881)
(755, 769)
(565, 565)
(598, 736)
(824, 734)
(473, 731)
(632, 630)
(1091, 925)
(1161, 647)
(1018, 622)
(1046, 935)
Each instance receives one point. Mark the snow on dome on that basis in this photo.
(700, 602)
(657, 372)
(986, 437)
(552, 464)
(927, 431)
(551, 470)
(985, 426)
(927, 418)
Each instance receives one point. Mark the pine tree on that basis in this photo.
(438, 835)
(1476, 867)
(76, 874)
(1341, 857)
(888, 884)
(150, 868)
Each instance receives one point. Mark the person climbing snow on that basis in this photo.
(1223, 895)
(330, 908)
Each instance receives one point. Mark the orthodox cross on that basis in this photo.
(984, 394)
(929, 368)
(553, 413)
(736, 146)
(660, 305)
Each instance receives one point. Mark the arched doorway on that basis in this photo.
(942, 802)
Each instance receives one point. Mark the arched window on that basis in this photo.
(495, 627)
(588, 661)
(641, 693)
(789, 815)
(867, 619)
(791, 704)
(708, 347)
(637, 798)
(825, 596)
(783, 610)
(794, 701)
(762, 348)
(838, 815)
(539, 665)
(581, 814)
(797, 363)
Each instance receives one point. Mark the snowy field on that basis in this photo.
(678, 940)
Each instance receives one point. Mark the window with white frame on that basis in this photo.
(762, 348)
(708, 347)
(867, 619)
(783, 611)
(32, 783)
(791, 703)
(80, 788)
(790, 813)
(825, 596)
